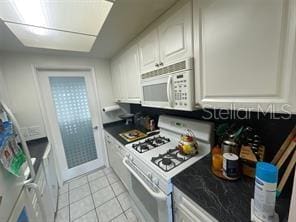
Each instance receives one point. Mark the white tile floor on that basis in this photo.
(97, 197)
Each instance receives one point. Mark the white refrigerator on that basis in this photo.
(15, 202)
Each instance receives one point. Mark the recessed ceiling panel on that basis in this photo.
(45, 38)
(82, 16)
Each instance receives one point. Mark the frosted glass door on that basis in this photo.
(74, 119)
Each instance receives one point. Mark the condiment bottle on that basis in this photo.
(265, 190)
(217, 159)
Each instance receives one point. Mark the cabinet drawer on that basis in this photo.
(187, 210)
(192, 212)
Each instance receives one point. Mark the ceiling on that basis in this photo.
(126, 20)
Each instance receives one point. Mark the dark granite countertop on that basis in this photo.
(118, 127)
(37, 148)
(224, 200)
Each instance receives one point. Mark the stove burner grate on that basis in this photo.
(150, 143)
(169, 160)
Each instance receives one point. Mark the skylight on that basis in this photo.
(34, 22)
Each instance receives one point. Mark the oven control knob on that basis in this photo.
(156, 181)
(149, 175)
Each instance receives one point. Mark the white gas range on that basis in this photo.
(154, 161)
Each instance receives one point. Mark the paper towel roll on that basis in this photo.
(111, 108)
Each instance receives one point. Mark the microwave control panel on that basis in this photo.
(183, 88)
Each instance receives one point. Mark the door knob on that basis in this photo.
(95, 127)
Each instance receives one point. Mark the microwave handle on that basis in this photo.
(169, 90)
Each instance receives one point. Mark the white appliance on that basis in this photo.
(154, 161)
(49, 185)
(170, 87)
(22, 210)
(15, 202)
(50, 177)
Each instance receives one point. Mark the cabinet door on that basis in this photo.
(187, 210)
(149, 52)
(116, 78)
(115, 157)
(123, 81)
(181, 216)
(132, 74)
(245, 53)
(50, 175)
(175, 36)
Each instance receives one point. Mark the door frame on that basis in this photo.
(46, 118)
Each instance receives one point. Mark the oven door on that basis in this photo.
(152, 202)
(157, 92)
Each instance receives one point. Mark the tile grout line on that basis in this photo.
(123, 212)
(82, 215)
(115, 197)
(85, 174)
(91, 194)
(119, 205)
(68, 192)
(88, 183)
(117, 200)
(69, 203)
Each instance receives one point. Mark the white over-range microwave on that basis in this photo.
(170, 87)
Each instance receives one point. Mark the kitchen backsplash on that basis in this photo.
(273, 128)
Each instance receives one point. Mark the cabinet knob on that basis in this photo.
(157, 65)
(161, 64)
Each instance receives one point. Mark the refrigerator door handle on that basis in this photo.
(36, 188)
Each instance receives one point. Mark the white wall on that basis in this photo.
(3, 93)
(1, 81)
(22, 93)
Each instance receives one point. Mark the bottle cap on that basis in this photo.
(267, 172)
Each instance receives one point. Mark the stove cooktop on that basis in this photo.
(169, 160)
(150, 143)
(163, 159)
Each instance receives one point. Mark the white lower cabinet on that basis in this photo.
(45, 195)
(185, 210)
(116, 154)
(48, 164)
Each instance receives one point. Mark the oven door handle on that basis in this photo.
(169, 90)
(157, 195)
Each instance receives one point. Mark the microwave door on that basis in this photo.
(157, 92)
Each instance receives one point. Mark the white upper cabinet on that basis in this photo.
(116, 78)
(169, 42)
(244, 53)
(123, 80)
(126, 76)
(175, 36)
(149, 52)
(130, 64)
